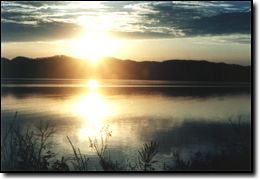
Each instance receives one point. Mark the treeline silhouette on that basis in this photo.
(112, 68)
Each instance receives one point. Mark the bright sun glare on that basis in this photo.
(92, 84)
(93, 45)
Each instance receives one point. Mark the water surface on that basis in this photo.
(188, 116)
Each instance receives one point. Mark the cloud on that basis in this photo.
(46, 20)
(222, 39)
(198, 20)
(140, 35)
(43, 31)
(226, 23)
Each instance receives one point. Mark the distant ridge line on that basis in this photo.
(61, 66)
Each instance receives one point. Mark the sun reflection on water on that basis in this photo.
(93, 109)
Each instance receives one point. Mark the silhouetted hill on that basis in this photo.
(112, 68)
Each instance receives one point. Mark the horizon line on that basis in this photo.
(157, 61)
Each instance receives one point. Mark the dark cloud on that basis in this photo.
(197, 21)
(41, 32)
(33, 3)
(226, 23)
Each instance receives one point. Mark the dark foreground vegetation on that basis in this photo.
(32, 150)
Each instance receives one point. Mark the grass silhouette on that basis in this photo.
(27, 150)
(31, 149)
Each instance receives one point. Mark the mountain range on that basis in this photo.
(111, 68)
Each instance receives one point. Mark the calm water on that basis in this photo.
(181, 116)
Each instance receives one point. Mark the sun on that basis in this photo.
(93, 45)
(92, 84)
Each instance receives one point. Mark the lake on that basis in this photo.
(187, 117)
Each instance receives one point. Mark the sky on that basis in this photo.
(218, 31)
